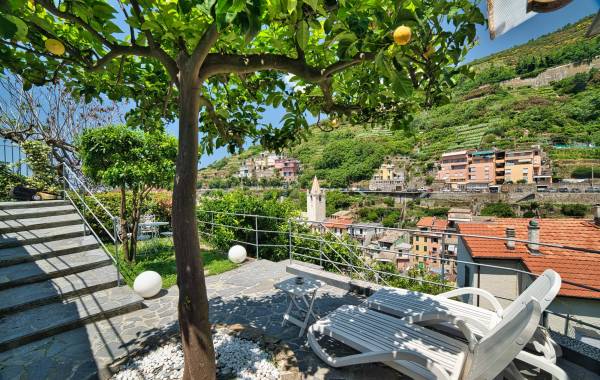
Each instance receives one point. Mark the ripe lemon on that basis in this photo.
(55, 46)
(402, 35)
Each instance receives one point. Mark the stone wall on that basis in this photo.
(553, 74)
(585, 198)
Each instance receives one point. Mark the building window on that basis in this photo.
(416, 238)
(416, 247)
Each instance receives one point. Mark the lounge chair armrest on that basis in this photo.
(544, 364)
(374, 357)
(476, 291)
(458, 322)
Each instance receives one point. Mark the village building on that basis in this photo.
(432, 250)
(389, 177)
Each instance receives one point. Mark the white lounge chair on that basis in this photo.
(423, 353)
(410, 305)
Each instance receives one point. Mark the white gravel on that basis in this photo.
(235, 357)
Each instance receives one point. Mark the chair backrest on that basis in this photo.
(544, 289)
(494, 352)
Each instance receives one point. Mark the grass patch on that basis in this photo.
(159, 255)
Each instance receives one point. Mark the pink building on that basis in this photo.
(482, 169)
(288, 168)
(454, 169)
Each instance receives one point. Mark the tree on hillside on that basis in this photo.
(228, 59)
(129, 160)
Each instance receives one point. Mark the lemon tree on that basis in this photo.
(214, 65)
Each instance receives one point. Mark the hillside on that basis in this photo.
(565, 114)
(568, 35)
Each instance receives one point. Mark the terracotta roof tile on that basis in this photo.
(433, 223)
(338, 222)
(575, 266)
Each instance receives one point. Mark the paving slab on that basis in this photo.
(40, 293)
(52, 267)
(32, 252)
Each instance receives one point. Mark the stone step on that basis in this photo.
(16, 239)
(31, 204)
(19, 225)
(45, 292)
(52, 267)
(26, 253)
(34, 212)
(44, 321)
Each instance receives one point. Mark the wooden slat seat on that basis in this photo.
(402, 303)
(367, 330)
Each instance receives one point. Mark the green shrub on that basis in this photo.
(8, 180)
(576, 210)
(499, 209)
(585, 172)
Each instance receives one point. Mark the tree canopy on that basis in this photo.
(304, 56)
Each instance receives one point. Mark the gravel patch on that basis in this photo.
(236, 358)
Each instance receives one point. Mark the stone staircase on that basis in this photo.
(52, 277)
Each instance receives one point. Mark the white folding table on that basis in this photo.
(301, 298)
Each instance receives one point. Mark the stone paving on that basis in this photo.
(244, 295)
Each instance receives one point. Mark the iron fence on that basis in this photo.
(353, 255)
(12, 155)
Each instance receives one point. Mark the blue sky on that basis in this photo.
(538, 25)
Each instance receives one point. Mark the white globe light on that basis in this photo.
(237, 254)
(147, 284)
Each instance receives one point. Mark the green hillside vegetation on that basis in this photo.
(565, 114)
(570, 34)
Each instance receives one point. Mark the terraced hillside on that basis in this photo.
(568, 35)
(567, 113)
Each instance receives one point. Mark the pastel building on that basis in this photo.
(523, 165)
(288, 168)
(454, 169)
(388, 178)
(482, 169)
(427, 248)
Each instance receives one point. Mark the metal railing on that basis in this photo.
(12, 155)
(76, 191)
(309, 241)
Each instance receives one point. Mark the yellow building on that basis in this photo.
(522, 165)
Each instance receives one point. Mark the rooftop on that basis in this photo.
(433, 223)
(338, 222)
(572, 265)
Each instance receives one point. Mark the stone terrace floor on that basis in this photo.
(244, 295)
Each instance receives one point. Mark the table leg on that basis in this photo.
(287, 312)
(309, 312)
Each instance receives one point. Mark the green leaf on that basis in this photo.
(13, 28)
(291, 5)
(302, 34)
(312, 3)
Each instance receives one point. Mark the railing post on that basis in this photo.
(212, 223)
(290, 239)
(256, 235)
(116, 233)
(321, 251)
(443, 257)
